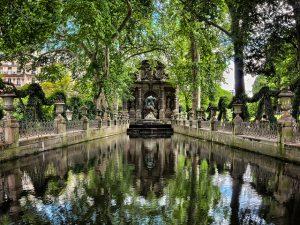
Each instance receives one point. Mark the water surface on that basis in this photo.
(149, 181)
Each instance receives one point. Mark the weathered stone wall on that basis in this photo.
(289, 152)
(39, 144)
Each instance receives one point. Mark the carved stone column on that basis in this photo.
(162, 104)
(176, 102)
(139, 104)
(11, 125)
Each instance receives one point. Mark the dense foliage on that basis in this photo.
(93, 46)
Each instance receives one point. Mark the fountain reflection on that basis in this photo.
(145, 181)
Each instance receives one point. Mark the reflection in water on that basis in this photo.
(149, 181)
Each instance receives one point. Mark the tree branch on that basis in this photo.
(144, 52)
(217, 26)
(123, 24)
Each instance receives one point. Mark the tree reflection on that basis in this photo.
(106, 194)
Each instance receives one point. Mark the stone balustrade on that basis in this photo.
(285, 131)
(12, 131)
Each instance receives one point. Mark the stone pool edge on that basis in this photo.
(287, 152)
(39, 144)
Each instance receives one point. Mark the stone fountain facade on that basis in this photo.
(151, 83)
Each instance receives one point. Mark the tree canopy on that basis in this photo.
(100, 43)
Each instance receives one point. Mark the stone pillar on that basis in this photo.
(139, 104)
(60, 122)
(176, 101)
(213, 120)
(237, 121)
(84, 119)
(162, 104)
(286, 122)
(11, 125)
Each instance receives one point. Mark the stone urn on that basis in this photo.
(8, 102)
(59, 108)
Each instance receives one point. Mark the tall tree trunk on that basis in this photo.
(238, 46)
(296, 8)
(105, 70)
(239, 68)
(195, 72)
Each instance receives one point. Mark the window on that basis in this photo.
(18, 82)
(9, 80)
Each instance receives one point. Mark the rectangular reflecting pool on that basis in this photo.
(119, 180)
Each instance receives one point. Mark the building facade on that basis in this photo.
(12, 73)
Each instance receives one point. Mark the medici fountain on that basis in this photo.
(155, 102)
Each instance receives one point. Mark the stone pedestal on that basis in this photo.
(286, 122)
(59, 121)
(60, 124)
(11, 125)
(84, 119)
(237, 121)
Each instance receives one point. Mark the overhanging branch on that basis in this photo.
(144, 52)
(217, 26)
(123, 24)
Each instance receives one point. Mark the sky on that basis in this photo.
(229, 80)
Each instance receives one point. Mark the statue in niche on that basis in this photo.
(150, 110)
(150, 102)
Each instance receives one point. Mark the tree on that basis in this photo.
(243, 14)
(25, 26)
(103, 35)
(296, 10)
(193, 54)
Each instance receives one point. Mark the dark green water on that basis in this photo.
(143, 181)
